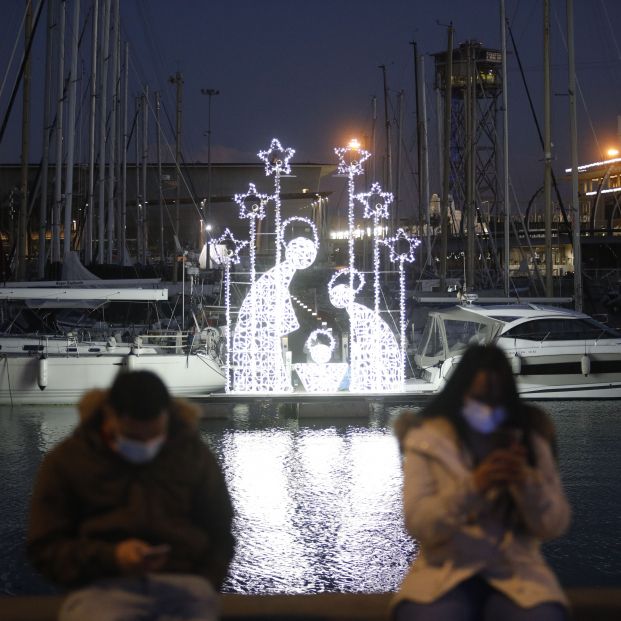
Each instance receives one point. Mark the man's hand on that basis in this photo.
(136, 556)
(501, 467)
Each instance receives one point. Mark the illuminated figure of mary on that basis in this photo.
(265, 316)
(375, 356)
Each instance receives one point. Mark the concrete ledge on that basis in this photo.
(588, 605)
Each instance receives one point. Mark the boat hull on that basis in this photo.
(68, 377)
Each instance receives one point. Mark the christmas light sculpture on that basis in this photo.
(373, 346)
(276, 160)
(265, 316)
(351, 159)
(252, 208)
(321, 375)
(233, 246)
(402, 250)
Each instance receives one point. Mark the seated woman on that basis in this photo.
(481, 490)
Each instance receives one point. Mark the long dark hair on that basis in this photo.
(449, 401)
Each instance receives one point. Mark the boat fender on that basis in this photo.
(42, 374)
(516, 364)
(585, 365)
(130, 361)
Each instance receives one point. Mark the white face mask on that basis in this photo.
(482, 417)
(138, 452)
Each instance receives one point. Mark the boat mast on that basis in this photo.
(470, 206)
(400, 106)
(113, 134)
(573, 129)
(59, 136)
(47, 130)
(88, 251)
(505, 146)
(73, 79)
(124, 147)
(159, 173)
(446, 146)
(547, 149)
(145, 155)
(103, 91)
(423, 152)
(388, 168)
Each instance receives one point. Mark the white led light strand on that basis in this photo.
(232, 256)
(401, 238)
(376, 208)
(252, 208)
(351, 159)
(266, 315)
(321, 375)
(367, 329)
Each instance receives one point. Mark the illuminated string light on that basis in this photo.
(321, 377)
(367, 330)
(226, 240)
(402, 239)
(252, 208)
(351, 158)
(266, 315)
(276, 159)
(376, 205)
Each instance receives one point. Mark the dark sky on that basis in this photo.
(306, 72)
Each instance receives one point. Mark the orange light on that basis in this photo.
(612, 152)
(354, 143)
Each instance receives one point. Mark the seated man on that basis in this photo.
(132, 509)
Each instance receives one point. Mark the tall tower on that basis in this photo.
(474, 153)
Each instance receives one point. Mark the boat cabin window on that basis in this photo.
(561, 330)
(460, 334)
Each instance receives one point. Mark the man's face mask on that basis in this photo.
(138, 452)
(482, 417)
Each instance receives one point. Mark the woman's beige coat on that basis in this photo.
(456, 527)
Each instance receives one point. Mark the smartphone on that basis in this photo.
(156, 551)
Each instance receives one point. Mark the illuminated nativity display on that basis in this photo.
(255, 357)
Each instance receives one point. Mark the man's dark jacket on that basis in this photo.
(87, 498)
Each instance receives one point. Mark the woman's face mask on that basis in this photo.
(482, 417)
(138, 452)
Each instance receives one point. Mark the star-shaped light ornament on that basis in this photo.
(251, 204)
(351, 158)
(402, 247)
(375, 202)
(232, 245)
(276, 158)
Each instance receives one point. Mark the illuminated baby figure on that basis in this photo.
(375, 356)
(265, 316)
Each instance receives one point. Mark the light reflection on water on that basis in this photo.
(317, 510)
(318, 501)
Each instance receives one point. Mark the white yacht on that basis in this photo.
(555, 353)
(59, 368)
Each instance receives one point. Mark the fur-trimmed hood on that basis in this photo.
(93, 401)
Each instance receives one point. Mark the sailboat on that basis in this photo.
(58, 368)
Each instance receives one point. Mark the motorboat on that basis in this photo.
(58, 368)
(555, 353)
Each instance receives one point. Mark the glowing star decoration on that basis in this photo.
(252, 208)
(402, 250)
(265, 316)
(376, 207)
(375, 357)
(232, 248)
(351, 159)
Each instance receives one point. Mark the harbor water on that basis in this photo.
(318, 501)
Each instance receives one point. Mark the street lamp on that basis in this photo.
(210, 92)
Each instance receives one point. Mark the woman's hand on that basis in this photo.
(136, 556)
(502, 467)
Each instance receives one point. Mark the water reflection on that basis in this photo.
(317, 510)
(318, 501)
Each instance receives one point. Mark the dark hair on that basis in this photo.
(449, 402)
(140, 395)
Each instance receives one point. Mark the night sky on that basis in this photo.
(306, 72)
